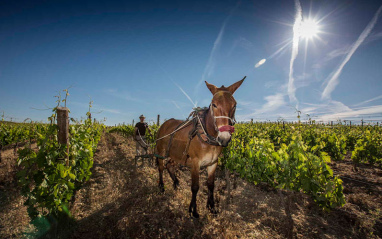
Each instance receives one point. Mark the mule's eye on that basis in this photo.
(214, 105)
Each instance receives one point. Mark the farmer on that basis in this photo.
(139, 136)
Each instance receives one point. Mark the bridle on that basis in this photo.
(228, 128)
(195, 119)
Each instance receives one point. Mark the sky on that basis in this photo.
(319, 59)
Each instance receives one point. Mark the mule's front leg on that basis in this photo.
(160, 169)
(194, 188)
(211, 184)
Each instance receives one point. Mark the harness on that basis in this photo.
(145, 146)
(197, 119)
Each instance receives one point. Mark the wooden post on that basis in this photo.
(158, 120)
(63, 129)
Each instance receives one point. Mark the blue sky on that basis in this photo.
(152, 57)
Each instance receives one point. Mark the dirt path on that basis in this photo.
(123, 201)
(14, 218)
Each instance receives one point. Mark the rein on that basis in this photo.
(142, 141)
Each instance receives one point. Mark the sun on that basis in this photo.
(309, 29)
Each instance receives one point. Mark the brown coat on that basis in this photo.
(217, 124)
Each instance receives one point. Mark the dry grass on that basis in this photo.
(123, 201)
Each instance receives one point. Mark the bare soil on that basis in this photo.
(123, 201)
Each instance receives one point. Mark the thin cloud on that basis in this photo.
(273, 103)
(373, 110)
(188, 97)
(243, 43)
(374, 37)
(176, 105)
(279, 51)
(96, 108)
(368, 101)
(332, 55)
(333, 81)
(345, 50)
(262, 61)
(304, 80)
(125, 95)
(180, 88)
(113, 111)
(209, 69)
(296, 38)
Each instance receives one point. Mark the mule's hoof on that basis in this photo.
(194, 214)
(161, 188)
(212, 209)
(176, 184)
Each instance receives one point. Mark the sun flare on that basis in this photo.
(309, 29)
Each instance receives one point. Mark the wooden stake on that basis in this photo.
(63, 129)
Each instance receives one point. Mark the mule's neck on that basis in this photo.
(210, 124)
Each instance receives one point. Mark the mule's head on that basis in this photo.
(222, 109)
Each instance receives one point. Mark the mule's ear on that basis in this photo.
(212, 88)
(232, 88)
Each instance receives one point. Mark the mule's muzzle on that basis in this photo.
(224, 142)
(224, 135)
(228, 128)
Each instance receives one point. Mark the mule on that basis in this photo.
(198, 142)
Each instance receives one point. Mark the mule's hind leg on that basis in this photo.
(171, 170)
(160, 169)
